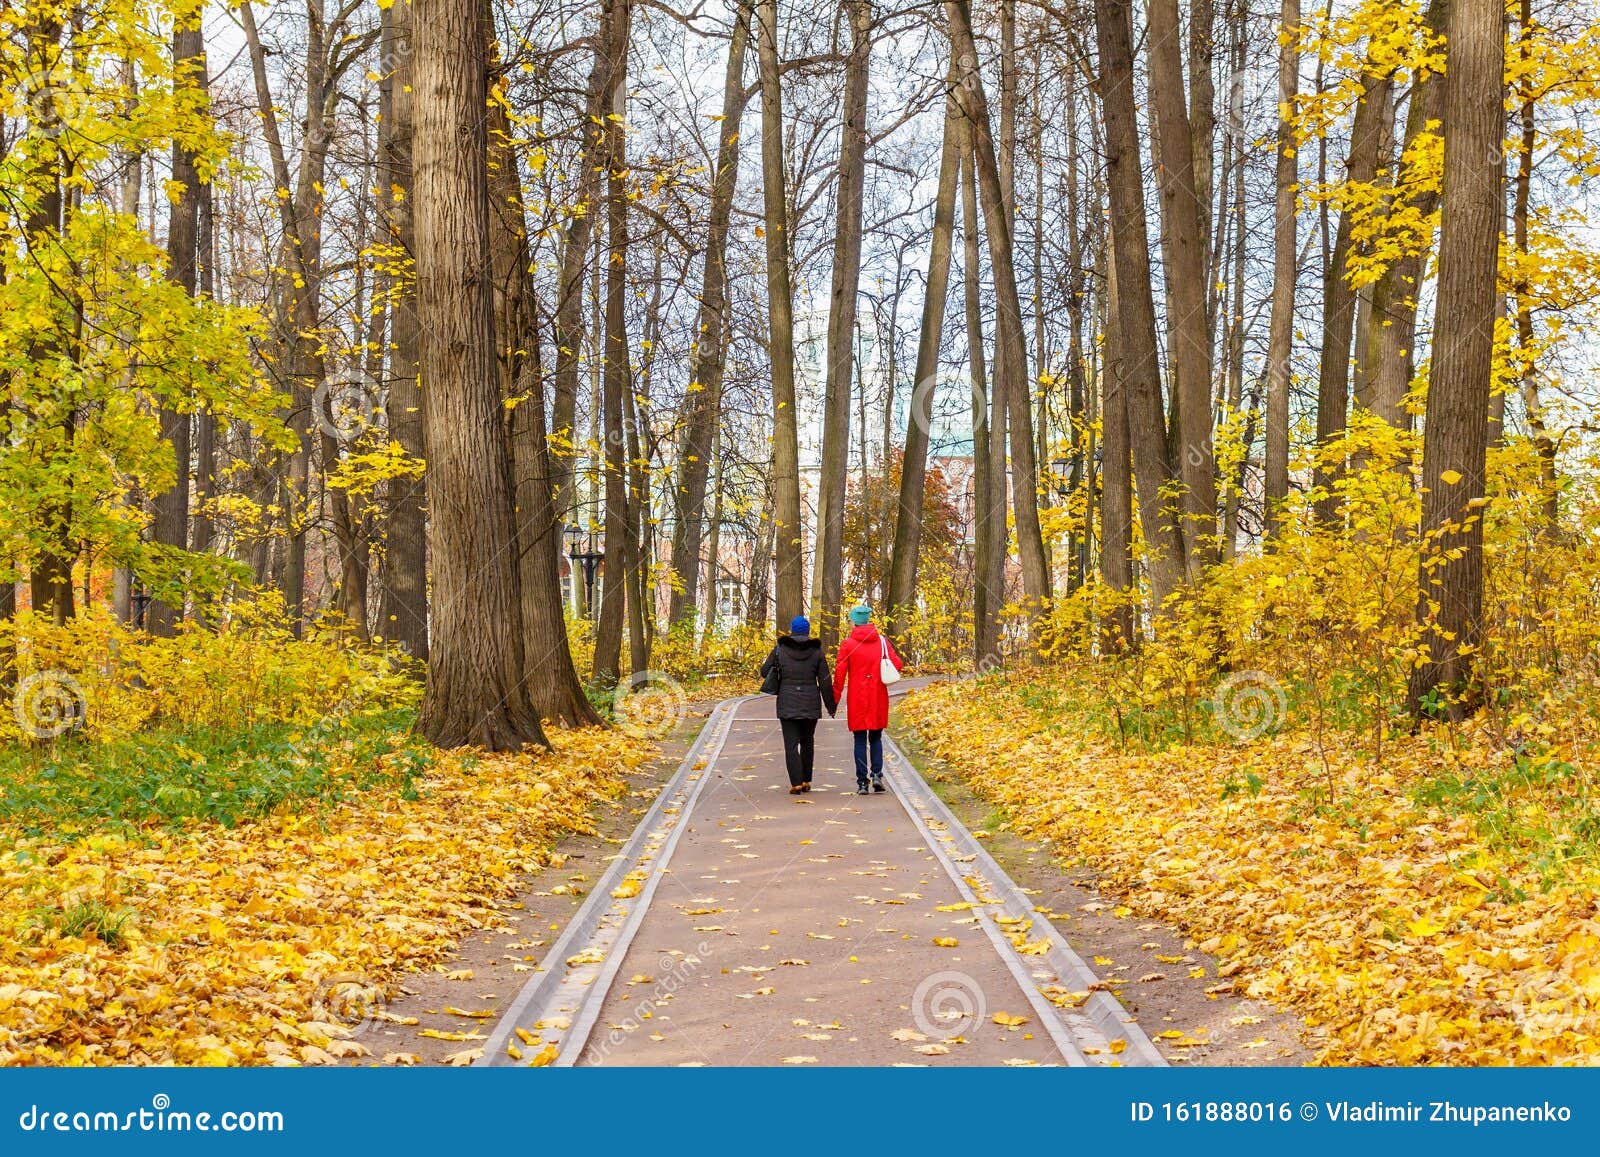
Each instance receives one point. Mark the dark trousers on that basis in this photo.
(799, 748)
(869, 741)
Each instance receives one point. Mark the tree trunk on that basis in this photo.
(552, 679)
(789, 578)
(403, 605)
(1543, 443)
(170, 509)
(475, 692)
(575, 249)
(615, 371)
(828, 582)
(1182, 218)
(1280, 334)
(1339, 298)
(1135, 364)
(1455, 440)
(1009, 333)
(914, 464)
(1116, 500)
(703, 405)
(988, 446)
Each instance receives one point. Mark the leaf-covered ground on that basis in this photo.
(1366, 895)
(150, 941)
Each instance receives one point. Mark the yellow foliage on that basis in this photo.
(250, 945)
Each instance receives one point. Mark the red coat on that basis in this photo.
(859, 656)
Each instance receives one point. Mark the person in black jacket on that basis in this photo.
(805, 686)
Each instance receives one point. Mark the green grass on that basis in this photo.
(170, 777)
(1543, 811)
(86, 919)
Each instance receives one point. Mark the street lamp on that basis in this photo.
(588, 558)
(140, 600)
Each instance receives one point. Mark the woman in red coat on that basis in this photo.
(860, 658)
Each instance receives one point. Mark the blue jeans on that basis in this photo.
(865, 741)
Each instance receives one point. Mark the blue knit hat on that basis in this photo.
(860, 614)
(799, 626)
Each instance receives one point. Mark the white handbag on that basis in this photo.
(887, 671)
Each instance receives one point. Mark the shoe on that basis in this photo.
(806, 786)
(796, 789)
(861, 789)
(877, 787)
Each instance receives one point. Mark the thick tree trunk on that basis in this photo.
(914, 464)
(1455, 440)
(170, 509)
(703, 406)
(475, 692)
(828, 582)
(1135, 363)
(552, 680)
(789, 577)
(403, 605)
(1183, 219)
(1280, 332)
(1009, 333)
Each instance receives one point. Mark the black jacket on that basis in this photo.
(805, 682)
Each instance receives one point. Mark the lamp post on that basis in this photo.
(139, 602)
(589, 558)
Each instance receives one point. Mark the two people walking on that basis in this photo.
(797, 673)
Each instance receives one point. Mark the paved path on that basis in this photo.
(746, 926)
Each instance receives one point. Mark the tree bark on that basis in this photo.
(575, 251)
(1116, 500)
(988, 446)
(403, 603)
(789, 576)
(1280, 333)
(704, 403)
(1009, 333)
(1338, 297)
(914, 464)
(475, 691)
(1135, 364)
(615, 369)
(170, 509)
(1183, 220)
(1455, 440)
(828, 583)
(552, 679)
